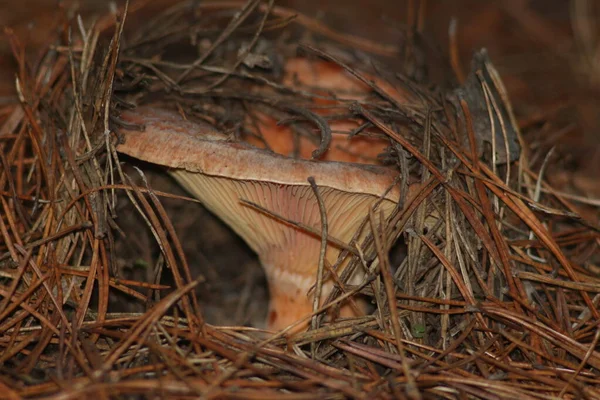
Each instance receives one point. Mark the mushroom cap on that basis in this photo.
(170, 140)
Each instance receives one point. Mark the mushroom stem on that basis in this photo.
(289, 283)
(291, 274)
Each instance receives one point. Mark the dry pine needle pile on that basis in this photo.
(481, 284)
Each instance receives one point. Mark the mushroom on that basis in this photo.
(221, 173)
